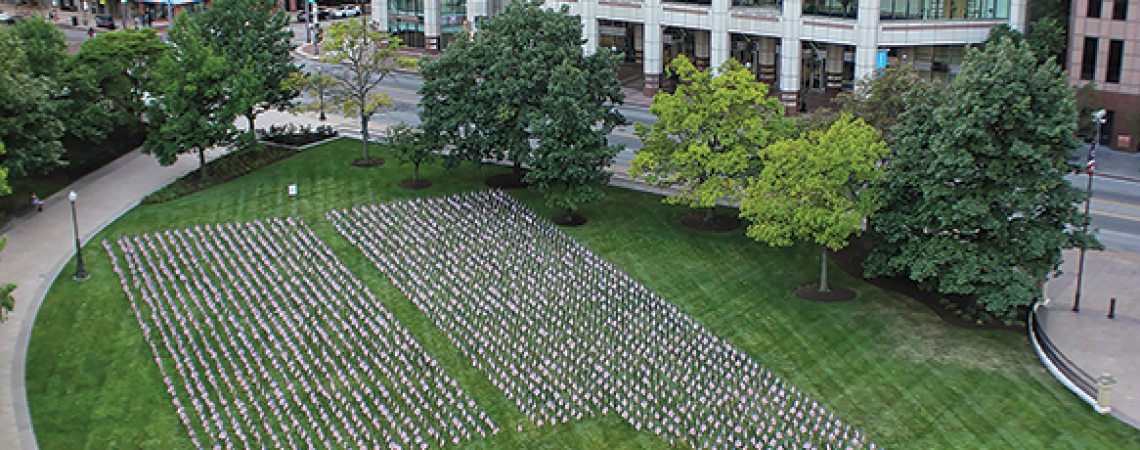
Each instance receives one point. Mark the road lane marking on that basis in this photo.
(1115, 216)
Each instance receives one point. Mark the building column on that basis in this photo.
(1017, 13)
(701, 52)
(589, 13)
(379, 15)
(790, 54)
(432, 30)
(834, 68)
(767, 61)
(653, 48)
(867, 39)
(719, 42)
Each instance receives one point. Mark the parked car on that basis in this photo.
(346, 11)
(105, 21)
(10, 18)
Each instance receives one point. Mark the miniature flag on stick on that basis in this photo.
(1091, 165)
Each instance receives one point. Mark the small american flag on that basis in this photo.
(1091, 165)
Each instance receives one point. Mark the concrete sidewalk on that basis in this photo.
(1095, 343)
(40, 243)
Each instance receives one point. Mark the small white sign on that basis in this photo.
(292, 190)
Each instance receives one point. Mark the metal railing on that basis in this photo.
(1065, 370)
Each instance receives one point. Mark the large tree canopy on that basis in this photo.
(818, 188)
(483, 95)
(189, 114)
(254, 36)
(977, 202)
(29, 119)
(881, 98)
(707, 133)
(569, 163)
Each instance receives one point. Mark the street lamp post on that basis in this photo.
(1090, 168)
(80, 268)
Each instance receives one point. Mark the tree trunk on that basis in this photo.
(569, 215)
(202, 163)
(416, 173)
(823, 271)
(709, 214)
(518, 170)
(364, 131)
(251, 117)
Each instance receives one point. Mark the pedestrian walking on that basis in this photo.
(37, 203)
(90, 32)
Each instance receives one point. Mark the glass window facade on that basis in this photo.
(406, 21)
(834, 8)
(1094, 9)
(453, 14)
(944, 9)
(1115, 57)
(1120, 10)
(1088, 59)
(757, 3)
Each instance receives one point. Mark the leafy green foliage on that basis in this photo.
(7, 302)
(29, 119)
(44, 46)
(106, 81)
(483, 96)
(819, 188)
(411, 146)
(5, 189)
(316, 85)
(364, 58)
(816, 188)
(881, 98)
(190, 114)
(569, 164)
(977, 202)
(254, 36)
(707, 133)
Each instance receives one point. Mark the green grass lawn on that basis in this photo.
(883, 362)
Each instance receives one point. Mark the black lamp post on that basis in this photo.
(80, 268)
(1099, 117)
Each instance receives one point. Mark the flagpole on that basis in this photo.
(1090, 168)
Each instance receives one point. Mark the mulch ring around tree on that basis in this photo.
(506, 181)
(834, 294)
(573, 220)
(368, 163)
(720, 223)
(850, 260)
(415, 185)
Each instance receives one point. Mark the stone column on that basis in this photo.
(653, 49)
(379, 15)
(834, 68)
(719, 42)
(1017, 12)
(589, 12)
(866, 38)
(790, 54)
(432, 30)
(767, 61)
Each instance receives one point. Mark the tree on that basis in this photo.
(707, 133)
(189, 114)
(315, 84)
(484, 95)
(29, 119)
(977, 202)
(364, 58)
(569, 163)
(881, 98)
(106, 81)
(412, 146)
(254, 36)
(5, 188)
(820, 188)
(7, 302)
(44, 46)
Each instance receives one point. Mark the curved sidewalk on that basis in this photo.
(1095, 343)
(40, 243)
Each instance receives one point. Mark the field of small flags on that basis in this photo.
(265, 339)
(360, 315)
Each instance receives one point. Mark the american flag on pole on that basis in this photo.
(1091, 165)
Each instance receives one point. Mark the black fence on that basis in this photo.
(1064, 365)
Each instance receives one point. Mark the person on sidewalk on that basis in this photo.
(90, 32)
(37, 203)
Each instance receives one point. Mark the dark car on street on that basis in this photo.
(105, 21)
